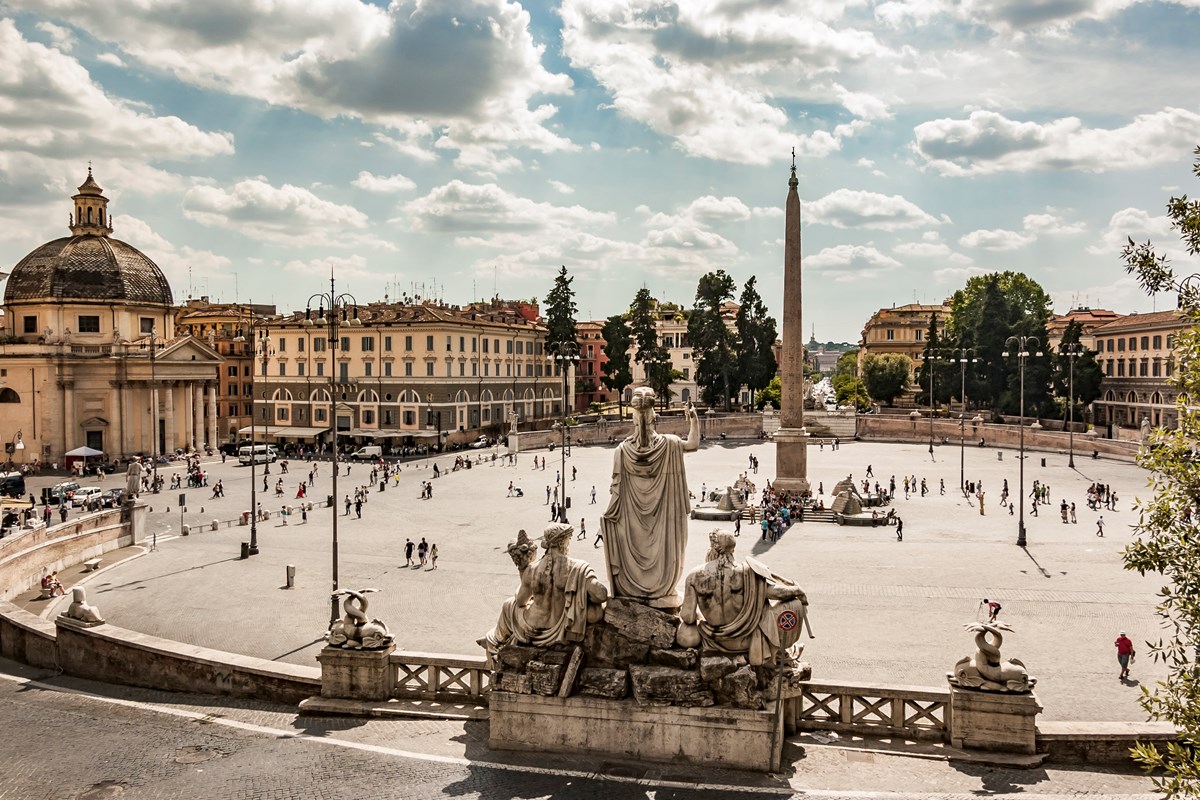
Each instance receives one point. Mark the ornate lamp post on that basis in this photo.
(1071, 351)
(564, 355)
(964, 356)
(260, 341)
(1022, 345)
(343, 310)
(16, 444)
(929, 364)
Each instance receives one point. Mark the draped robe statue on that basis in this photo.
(645, 525)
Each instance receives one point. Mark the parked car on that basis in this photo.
(371, 451)
(112, 498)
(481, 442)
(86, 495)
(12, 484)
(53, 495)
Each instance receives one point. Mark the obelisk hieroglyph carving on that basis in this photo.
(791, 441)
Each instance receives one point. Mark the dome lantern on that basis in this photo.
(91, 209)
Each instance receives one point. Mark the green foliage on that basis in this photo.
(885, 376)
(852, 391)
(846, 366)
(935, 360)
(561, 309)
(617, 369)
(1168, 530)
(756, 333)
(650, 352)
(713, 346)
(771, 393)
(1087, 374)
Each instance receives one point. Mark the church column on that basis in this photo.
(189, 410)
(68, 417)
(169, 416)
(212, 413)
(198, 415)
(122, 419)
(153, 443)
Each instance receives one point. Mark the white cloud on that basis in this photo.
(852, 208)
(562, 188)
(1139, 225)
(383, 184)
(175, 262)
(930, 250)
(957, 274)
(768, 212)
(706, 210)
(112, 59)
(850, 262)
(996, 239)
(988, 142)
(288, 215)
(60, 38)
(1051, 224)
(345, 267)
(486, 210)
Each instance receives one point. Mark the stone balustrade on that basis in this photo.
(434, 676)
(913, 712)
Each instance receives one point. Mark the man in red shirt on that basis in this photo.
(1125, 653)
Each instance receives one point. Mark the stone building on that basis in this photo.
(588, 388)
(90, 354)
(405, 374)
(1137, 356)
(901, 329)
(1088, 318)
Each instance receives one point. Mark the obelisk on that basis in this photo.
(791, 441)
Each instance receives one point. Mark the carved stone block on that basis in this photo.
(544, 678)
(679, 659)
(713, 668)
(667, 686)
(606, 647)
(514, 657)
(512, 682)
(740, 689)
(571, 672)
(641, 623)
(609, 683)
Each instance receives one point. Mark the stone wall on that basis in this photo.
(734, 426)
(24, 558)
(26, 637)
(889, 428)
(1099, 742)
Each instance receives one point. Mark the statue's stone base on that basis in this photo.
(715, 736)
(356, 674)
(791, 460)
(995, 721)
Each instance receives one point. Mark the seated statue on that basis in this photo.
(558, 597)
(80, 609)
(985, 670)
(732, 608)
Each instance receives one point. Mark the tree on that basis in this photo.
(617, 369)
(1168, 530)
(650, 352)
(561, 309)
(1087, 375)
(712, 342)
(771, 393)
(853, 392)
(756, 332)
(934, 360)
(885, 376)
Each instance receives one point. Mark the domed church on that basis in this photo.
(89, 355)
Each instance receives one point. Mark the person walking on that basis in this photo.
(899, 529)
(582, 529)
(737, 525)
(1073, 520)
(1125, 653)
(870, 473)
(1100, 525)
(547, 495)
(408, 552)
(347, 505)
(593, 495)
(433, 556)
(422, 552)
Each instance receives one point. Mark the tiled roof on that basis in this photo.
(1135, 321)
(87, 267)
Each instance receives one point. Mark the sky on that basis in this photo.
(457, 149)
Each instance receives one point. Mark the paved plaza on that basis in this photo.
(884, 612)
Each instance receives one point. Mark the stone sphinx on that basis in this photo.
(80, 610)
(985, 670)
(733, 608)
(558, 597)
(356, 631)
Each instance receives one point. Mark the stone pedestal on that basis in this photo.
(716, 736)
(791, 460)
(356, 674)
(995, 721)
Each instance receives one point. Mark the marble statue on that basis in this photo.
(512, 424)
(81, 610)
(1145, 429)
(645, 524)
(558, 597)
(133, 480)
(985, 670)
(731, 607)
(356, 631)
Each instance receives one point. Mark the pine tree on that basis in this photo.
(561, 310)
(713, 349)
(650, 351)
(756, 333)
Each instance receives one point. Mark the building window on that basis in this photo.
(485, 345)
(147, 325)
(89, 324)
(319, 344)
(387, 343)
(474, 345)
(1158, 343)
(1108, 368)
(31, 324)
(429, 369)
(408, 344)
(368, 344)
(319, 415)
(367, 369)
(449, 343)
(281, 413)
(231, 371)
(485, 366)
(282, 345)
(462, 368)
(247, 410)
(408, 369)
(300, 369)
(1170, 367)
(448, 371)
(1170, 342)
(1145, 342)
(343, 372)
(919, 334)
(1142, 369)
(345, 344)
(387, 369)
(685, 374)
(474, 369)
(1133, 344)
(300, 345)
(320, 369)
(462, 344)
(262, 370)
(891, 334)
(1121, 368)
(509, 348)
(368, 417)
(520, 348)
(387, 416)
(410, 418)
(1156, 368)
(233, 389)
(429, 343)
(233, 409)
(282, 368)
(1120, 345)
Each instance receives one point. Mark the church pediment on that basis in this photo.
(188, 349)
(94, 422)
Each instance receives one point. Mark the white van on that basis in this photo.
(371, 451)
(85, 495)
(258, 453)
(831, 403)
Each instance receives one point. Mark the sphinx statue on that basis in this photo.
(985, 670)
(356, 631)
(557, 599)
(81, 610)
(733, 608)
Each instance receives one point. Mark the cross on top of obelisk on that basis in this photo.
(793, 158)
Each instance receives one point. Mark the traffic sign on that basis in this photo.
(787, 621)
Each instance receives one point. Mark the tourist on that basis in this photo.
(422, 552)
(433, 556)
(547, 495)
(582, 529)
(1125, 654)
(1100, 525)
(1073, 520)
(993, 609)
(870, 472)
(347, 505)
(593, 495)
(899, 530)
(408, 552)
(52, 585)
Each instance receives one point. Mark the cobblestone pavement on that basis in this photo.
(69, 739)
(883, 611)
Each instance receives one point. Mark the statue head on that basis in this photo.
(720, 546)
(557, 536)
(642, 403)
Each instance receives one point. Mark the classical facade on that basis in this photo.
(405, 373)
(1137, 356)
(901, 329)
(1088, 318)
(590, 371)
(90, 356)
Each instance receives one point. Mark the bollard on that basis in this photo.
(382, 485)
(291, 576)
(1043, 462)
(215, 525)
(245, 550)
(329, 500)
(184, 530)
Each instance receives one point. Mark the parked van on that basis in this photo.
(12, 484)
(371, 451)
(85, 495)
(259, 454)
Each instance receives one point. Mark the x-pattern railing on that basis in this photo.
(873, 711)
(433, 676)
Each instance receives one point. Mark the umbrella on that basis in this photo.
(85, 452)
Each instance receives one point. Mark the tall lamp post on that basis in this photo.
(260, 340)
(16, 444)
(964, 356)
(929, 365)
(342, 310)
(1072, 351)
(1022, 345)
(564, 355)
(154, 345)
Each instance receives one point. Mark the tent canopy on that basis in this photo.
(85, 452)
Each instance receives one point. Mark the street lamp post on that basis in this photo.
(1072, 351)
(964, 356)
(564, 355)
(12, 447)
(1022, 345)
(929, 365)
(343, 309)
(260, 340)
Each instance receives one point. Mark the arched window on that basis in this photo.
(89, 215)
(281, 394)
(1131, 397)
(1110, 395)
(7, 395)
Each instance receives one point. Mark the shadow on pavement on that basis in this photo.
(111, 587)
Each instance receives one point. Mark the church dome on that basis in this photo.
(90, 265)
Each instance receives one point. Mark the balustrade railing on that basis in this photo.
(91, 349)
(912, 712)
(434, 676)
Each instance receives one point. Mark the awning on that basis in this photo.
(84, 452)
(296, 432)
(261, 430)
